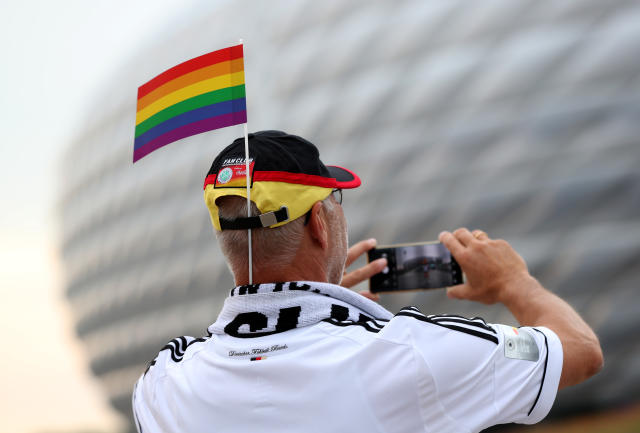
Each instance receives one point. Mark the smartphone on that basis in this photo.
(422, 265)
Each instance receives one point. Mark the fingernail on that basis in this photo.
(372, 242)
(381, 262)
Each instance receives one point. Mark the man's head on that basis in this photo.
(298, 228)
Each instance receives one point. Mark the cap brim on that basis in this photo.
(345, 179)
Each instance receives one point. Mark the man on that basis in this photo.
(296, 352)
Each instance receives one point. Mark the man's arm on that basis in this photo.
(496, 273)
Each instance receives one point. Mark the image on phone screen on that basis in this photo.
(415, 266)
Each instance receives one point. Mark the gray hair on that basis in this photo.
(274, 247)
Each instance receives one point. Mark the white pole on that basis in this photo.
(248, 181)
(246, 167)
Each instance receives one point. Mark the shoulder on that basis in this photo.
(361, 331)
(412, 320)
(458, 333)
(518, 369)
(166, 364)
(413, 328)
(174, 353)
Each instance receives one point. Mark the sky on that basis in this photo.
(55, 55)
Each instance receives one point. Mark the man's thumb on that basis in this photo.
(458, 292)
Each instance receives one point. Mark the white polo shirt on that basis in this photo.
(315, 357)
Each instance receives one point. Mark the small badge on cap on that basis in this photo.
(519, 344)
(233, 173)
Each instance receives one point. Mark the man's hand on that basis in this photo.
(496, 273)
(492, 267)
(350, 279)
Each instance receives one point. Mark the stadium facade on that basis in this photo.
(518, 117)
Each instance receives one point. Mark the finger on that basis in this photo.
(367, 294)
(452, 244)
(352, 278)
(480, 235)
(460, 291)
(358, 249)
(464, 236)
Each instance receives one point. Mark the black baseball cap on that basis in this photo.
(286, 178)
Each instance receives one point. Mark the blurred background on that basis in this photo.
(519, 117)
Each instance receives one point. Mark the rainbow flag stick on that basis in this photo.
(199, 95)
(246, 169)
(248, 182)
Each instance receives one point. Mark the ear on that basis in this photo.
(318, 226)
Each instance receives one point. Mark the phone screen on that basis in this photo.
(426, 265)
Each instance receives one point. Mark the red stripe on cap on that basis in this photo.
(297, 178)
(354, 183)
(209, 180)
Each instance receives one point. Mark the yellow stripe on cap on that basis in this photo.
(268, 197)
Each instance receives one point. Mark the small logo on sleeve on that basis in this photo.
(519, 344)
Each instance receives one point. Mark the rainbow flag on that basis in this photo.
(198, 95)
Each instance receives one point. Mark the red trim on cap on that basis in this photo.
(354, 183)
(298, 178)
(209, 180)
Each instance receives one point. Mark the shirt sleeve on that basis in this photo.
(527, 373)
(142, 415)
(488, 374)
(149, 401)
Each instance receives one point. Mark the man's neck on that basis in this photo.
(310, 263)
(277, 277)
(299, 270)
